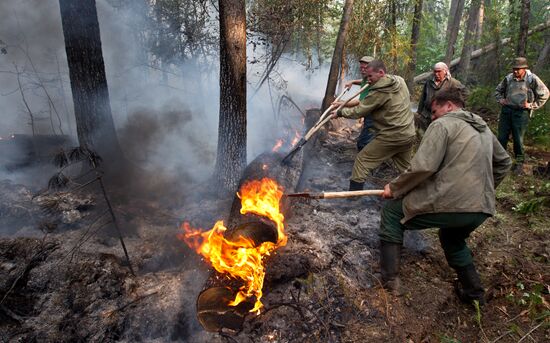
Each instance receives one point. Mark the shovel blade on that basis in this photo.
(290, 155)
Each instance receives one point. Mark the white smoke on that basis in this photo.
(182, 103)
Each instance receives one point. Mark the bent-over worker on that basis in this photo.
(451, 186)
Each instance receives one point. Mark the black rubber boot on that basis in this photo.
(390, 256)
(355, 186)
(470, 288)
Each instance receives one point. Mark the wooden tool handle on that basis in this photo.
(350, 194)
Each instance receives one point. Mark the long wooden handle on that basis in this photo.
(350, 194)
(327, 111)
(322, 121)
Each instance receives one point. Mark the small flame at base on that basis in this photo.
(240, 258)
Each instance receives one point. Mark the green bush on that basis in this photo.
(482, 97)
(539, 127)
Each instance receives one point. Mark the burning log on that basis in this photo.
(238, 251)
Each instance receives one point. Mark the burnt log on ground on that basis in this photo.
(213, 310)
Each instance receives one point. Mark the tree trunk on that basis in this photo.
(469, 35)
(453, 26)
(337, 55)
(393, 34)
(544, 55)
(479, 31)
(415, 34)
(231, 154)
(94, 121)
(523, 27)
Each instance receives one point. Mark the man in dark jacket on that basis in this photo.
(450, 185)
(520, 93)
(367, 132)
(440, 80)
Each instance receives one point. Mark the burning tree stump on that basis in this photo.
(220, 306)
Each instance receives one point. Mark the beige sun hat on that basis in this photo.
(366, 59)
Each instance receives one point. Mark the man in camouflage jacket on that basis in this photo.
(520, 93)
(450, 185)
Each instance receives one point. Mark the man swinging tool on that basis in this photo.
(388, 105)
(450, 185)
(367, 133)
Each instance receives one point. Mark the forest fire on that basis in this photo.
(239, 256)
(277, 145)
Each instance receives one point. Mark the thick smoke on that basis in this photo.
(166, 120)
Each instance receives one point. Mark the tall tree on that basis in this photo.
(231, 155)
(337, 55)
(415, 34)
(523, 27)
(544, 54)
(94, 121)
(469, 36)
(453, 26)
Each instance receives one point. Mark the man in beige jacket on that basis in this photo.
(388, 104)
(450, 185)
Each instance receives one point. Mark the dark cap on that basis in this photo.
(366, 59)
(520, 63)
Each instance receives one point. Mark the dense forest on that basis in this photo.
(126, 121)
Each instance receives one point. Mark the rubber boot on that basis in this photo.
(470, 288)
(390, 256)
(355, 186)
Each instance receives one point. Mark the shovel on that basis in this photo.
(325, 117)
(336, 195)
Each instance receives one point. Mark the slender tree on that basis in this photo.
(469, 36)
(453, 26)
(544, 54)
(337, 55)
(94, 121)
(415, 34)
(231, 155)
(523, 27)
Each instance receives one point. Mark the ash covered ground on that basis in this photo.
(65, 278)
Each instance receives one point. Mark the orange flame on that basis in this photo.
(277, 145)
(241, 259)
(295, 139)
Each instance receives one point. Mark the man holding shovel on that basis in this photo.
(450, 185)
(388, 104)
(367, 133)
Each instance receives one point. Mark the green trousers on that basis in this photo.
(454, 228)
(376, 152)
(515, 122)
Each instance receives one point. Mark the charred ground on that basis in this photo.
(64, 278)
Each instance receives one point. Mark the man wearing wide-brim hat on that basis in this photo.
(520, 93)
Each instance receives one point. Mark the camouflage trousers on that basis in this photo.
(378, 151)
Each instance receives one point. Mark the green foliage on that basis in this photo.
(530, 297)
(534, 203)
(539, 127)
(482, 98)
(445, 339)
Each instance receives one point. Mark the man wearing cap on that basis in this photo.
(519, 93)
(440, 80)
(458, 149)
(367, 133)
(388, 104)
